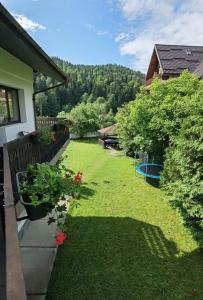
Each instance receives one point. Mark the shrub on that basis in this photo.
(168, 123)
(89, 117)
(152, 121)
(183, 168)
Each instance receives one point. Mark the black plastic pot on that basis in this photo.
(33, 212)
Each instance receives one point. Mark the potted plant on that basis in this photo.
(44, 136)
(44, 189)
(61, 126)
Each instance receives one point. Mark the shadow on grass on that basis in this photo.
(86, 191)
(154, 182)
(94, 183)
(106, 181)
(122, 258)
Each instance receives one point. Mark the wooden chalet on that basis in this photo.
(169, 61)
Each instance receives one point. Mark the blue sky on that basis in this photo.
(81, 31)
(109, 31)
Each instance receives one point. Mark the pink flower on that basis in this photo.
(60, 238)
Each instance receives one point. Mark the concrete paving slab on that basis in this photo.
(37, 265)
(39, 233)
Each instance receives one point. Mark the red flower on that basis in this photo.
(60, 238)
(78, 177)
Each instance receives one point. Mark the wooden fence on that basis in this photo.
(15, 284)
(17, 155)
(27, 150)
(46, 122)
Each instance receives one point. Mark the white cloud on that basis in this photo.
(153, 21)
(101, 32)
(137, 8)
(121, 36)
(98, 31)
(28, 24)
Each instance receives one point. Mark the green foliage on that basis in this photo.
(169, 120)
(45, 183)
(41, 104)
(44, 136)
(124, 241)
(153, 119)
(112, 84)
(88, 117)
(183, 168)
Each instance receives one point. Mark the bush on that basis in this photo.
(183, 168)
(168, 123)
(88, 117)
(151, 121)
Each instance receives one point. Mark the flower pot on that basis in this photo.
(34, 212)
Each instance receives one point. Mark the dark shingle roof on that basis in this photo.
(199, 70)
(176, 58)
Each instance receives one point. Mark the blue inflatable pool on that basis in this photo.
(150, 170)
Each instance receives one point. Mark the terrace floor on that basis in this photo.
(124, 240)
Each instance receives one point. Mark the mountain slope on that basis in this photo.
(112, 84)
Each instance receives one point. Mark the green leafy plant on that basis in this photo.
(54, 185)
(88, 117)
(45, 136)
(152, 121)
(167, 123)
(182, 177)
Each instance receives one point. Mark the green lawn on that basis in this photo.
(124, 240)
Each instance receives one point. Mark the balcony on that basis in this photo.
(16, 157)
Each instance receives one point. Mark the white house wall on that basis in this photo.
(16, 74)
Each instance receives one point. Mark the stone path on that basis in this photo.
(38, 251)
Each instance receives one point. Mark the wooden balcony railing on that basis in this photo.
(27, 150)
(15, 284)
(17, 155)
(46, 122)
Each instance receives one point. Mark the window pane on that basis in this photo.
(3, 107)
(13, 105)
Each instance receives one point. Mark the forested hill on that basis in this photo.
(112, 84)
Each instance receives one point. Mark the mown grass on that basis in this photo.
(124, 240)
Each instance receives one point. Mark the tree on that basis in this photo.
(153, 119)
(113, 84)
(168, 121)
(88, 117)
(182, 177)
(41, 103)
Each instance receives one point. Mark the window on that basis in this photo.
(9, 106)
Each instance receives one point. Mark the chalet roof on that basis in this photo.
(199, 70)
(15, 40)
(173, 59)
(110, 130)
